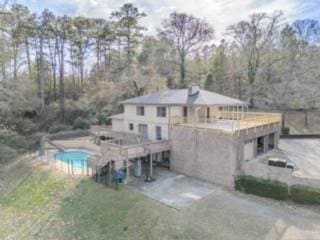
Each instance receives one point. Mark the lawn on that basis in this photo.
(44, 204)
(49, 205)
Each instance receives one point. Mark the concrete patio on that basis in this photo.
(172, 189)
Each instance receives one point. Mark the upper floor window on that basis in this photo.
(161, 111)
(130, 126)
(140, 110)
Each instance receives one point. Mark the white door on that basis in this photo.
(248, 150)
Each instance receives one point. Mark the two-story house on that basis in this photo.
(207, 134)
(150, 115)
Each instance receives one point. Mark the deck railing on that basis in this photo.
(240, 120)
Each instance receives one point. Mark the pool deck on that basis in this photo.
(84, 143)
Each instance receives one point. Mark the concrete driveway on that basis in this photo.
(174, 190)
(305, 153)
(210, 211)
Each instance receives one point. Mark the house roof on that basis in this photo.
(181, 97)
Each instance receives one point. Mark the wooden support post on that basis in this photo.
(127, 166)
(72, 166)
(87, 167)
(232, 112)
(98, 174)
(222, 115)
(110, 172)
(151, 166)
(242, 112)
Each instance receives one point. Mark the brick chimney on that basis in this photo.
(193, 90)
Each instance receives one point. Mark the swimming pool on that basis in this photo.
(77, 159)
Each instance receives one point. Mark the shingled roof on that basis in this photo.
(182, 97)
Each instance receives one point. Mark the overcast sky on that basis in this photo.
(219, 13)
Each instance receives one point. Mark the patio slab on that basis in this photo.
(172, 189)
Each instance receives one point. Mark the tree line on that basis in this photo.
(56, 68)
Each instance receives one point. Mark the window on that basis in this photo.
(140, 110)
(161, 111)
(158, 133)
(130, 126)
(143, 130)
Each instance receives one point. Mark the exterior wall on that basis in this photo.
(204, 154)
(117, 125)
(150, 118)
(212, 156)
(253, 134)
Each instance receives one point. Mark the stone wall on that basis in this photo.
(204, 154)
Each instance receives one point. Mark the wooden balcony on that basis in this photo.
(122, 146)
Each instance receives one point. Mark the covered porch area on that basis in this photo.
(130, 155)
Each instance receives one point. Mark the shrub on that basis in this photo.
(59, 128)
(81, 123)
(262, 187)
(13, 140)
(305, 195)
(7, 153)
(103, 119)
(285, 131)
(76, 110)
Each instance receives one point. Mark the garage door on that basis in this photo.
(248, 150)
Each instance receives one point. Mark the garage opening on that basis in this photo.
(260, 145)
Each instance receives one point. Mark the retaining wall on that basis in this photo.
(285, 175)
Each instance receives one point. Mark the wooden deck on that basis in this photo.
(230, 122)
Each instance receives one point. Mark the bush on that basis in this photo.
(76, 110)
(81, 123)
(305, 195)
(103, 119)
(7, 153)
(262, 187)
(285, 131)
(13, 140)
(59, 128)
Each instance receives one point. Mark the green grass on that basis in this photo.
(262, 187)
(11, 177)
(96, 212)
(47, 205)
(34, 192)
(305, 195)
(30, 203)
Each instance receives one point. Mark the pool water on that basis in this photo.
(76, 158)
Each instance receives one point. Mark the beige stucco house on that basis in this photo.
(202, 134)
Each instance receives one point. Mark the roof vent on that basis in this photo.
(193, 90)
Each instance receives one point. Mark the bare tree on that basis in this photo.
(188, 34)
(253, 38)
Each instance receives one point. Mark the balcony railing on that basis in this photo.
(233, 121)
